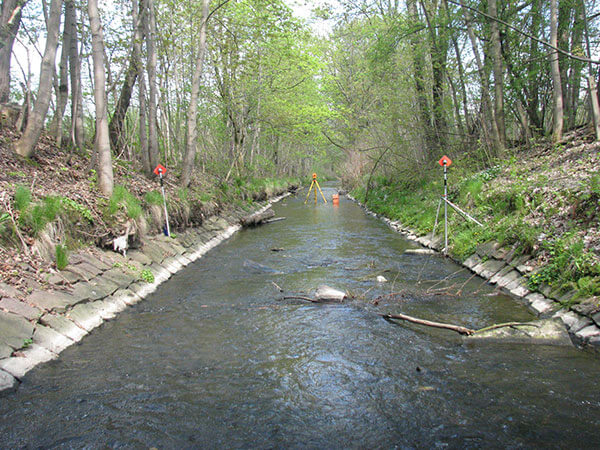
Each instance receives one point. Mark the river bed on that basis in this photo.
(215, 358)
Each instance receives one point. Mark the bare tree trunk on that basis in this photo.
(63, 86)
(152, 104)
(498, 76)
(115, 127)
(77, 129)
(25, 146)
(485, 89)
(102, 142)
(557, 96)
(192, 135)
(10, 20)
(140, 17)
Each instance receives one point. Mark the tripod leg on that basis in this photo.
(320, 192)
(309, 189)
(437, 215)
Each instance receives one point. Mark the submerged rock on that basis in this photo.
(547, 332)
(328, 293)
(254, 267)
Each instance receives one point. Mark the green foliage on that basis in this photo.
(22, 198)
(62, 257)
(27, 342)
(570, 266)
(122, 198)
(78, 208)
(147, 276)
(153, 198)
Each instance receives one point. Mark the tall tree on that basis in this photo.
(557, 95)
(102, 143)
(152, 85)
(63, 85)
(25, 146)
(77, 129)
(115, 126)
(139, 17)
(190, 151)
(496, 50)
(10, 20)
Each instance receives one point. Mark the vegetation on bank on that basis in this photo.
(50, 207)
(546, 206)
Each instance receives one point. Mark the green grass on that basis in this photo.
(153, 198)
(503, 210)
(123, 199)
(62, 257)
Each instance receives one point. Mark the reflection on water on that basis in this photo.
(215, 358)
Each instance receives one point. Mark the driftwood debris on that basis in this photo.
(462, 330)
(459, 329)
(257, 218)
(323, 294)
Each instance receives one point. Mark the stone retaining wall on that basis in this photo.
(501, 267)
(96, 285)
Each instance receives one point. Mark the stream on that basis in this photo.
(215, 358)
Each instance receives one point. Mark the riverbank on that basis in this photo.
(96, 285)
(539, 240)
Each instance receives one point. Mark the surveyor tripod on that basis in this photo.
(315, 185)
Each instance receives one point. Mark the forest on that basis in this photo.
(237, 89)
(235, 97)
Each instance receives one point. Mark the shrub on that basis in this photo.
(22, 198)
(62, 257)
(153, 198)
(121, 197)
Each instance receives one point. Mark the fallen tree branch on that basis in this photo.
(298, 297)
(257, 218)
(428, 323)
(276, 219)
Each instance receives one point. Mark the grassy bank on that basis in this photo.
(51, 206)
(544, 203)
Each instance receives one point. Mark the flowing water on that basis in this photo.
(215, 358)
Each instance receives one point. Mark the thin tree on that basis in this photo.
(102, 143)
(25, 146)
(152, 86)
(496, 50)
(115, 126)
(10, 20)
(63, 85)
(77, 129)
(557, 95)
(139, 17)
(190, 150)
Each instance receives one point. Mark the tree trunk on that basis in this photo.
(486, 102)
(115, 127)
(192, 135)
(419, 71)
(63, 86)
(574, 84)
(498, 76)
(557, 95)
(77, 129)
(25, 146)
(139, 16)
(10, 20)
(102, 142)
(152, 103)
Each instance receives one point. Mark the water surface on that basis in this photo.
(215, 358)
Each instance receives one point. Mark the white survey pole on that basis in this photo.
(445, 208)
(162, 187)
(445, 162)
(160, 171)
